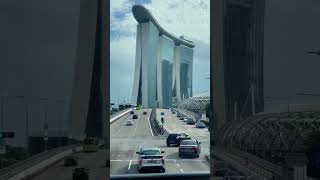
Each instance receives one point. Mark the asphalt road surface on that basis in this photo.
(125, 141)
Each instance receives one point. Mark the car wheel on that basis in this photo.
(168, 145)
(140, 170)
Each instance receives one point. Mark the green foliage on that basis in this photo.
(208, 109)
(205, 123)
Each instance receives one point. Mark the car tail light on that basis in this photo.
(195, 149)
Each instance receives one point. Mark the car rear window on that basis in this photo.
(150, 152)
(172, 136)
(188, 143)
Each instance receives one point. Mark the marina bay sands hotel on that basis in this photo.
(163, 64)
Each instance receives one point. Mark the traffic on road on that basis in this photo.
(135, 148)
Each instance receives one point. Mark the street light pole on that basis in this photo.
(27, 127)
(26, 118)
(45, 125)
(2, 112)
(60, 121)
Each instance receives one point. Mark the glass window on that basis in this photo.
(150, 152)
(188, 143)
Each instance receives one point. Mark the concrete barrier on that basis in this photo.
(165, 131)
(29, 172)
(119, 115)
(39, 167)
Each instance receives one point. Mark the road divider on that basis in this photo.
(113, 119)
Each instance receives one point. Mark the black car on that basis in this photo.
(176, 138)
(135, 116)
(80, 173)
(144, 112)
(190, 121)
(131, 112)
(70, 161)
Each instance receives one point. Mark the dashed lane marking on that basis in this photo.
(129, 166)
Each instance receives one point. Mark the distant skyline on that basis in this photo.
(190, 18)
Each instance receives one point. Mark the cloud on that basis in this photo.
(190, 18)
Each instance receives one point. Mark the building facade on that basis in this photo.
(57, 77)
(163, 63)
(238, 59)
(257, 64)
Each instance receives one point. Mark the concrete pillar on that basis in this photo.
(217, 66)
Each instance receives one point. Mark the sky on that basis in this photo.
(190, 18)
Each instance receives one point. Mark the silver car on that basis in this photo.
(189, 147)
(151, 159)
(129, 122)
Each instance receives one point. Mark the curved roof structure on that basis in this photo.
(273, 133)
(195, 103)
(141, 14)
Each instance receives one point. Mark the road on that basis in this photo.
(126, 140)
(95, 162)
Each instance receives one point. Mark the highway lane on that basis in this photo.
(174, 125)
(95, 162)
(119, 129)
(126, 140)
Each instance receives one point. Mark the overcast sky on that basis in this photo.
(190, 18)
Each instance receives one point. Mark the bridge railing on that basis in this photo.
(20, 166)
(120, 114)
(249, 164)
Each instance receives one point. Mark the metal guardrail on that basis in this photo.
(20, 166)
(190, 113)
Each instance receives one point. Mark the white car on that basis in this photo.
(151, 159)
(185, 119)
(129, 122)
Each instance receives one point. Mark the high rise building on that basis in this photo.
(163, 63)
(54, 83)
(238, 58)
(258, 66)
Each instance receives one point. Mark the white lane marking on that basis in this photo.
(134, 132)
(178, 165)
(181, 170)
(150, 124)
(129, 166)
